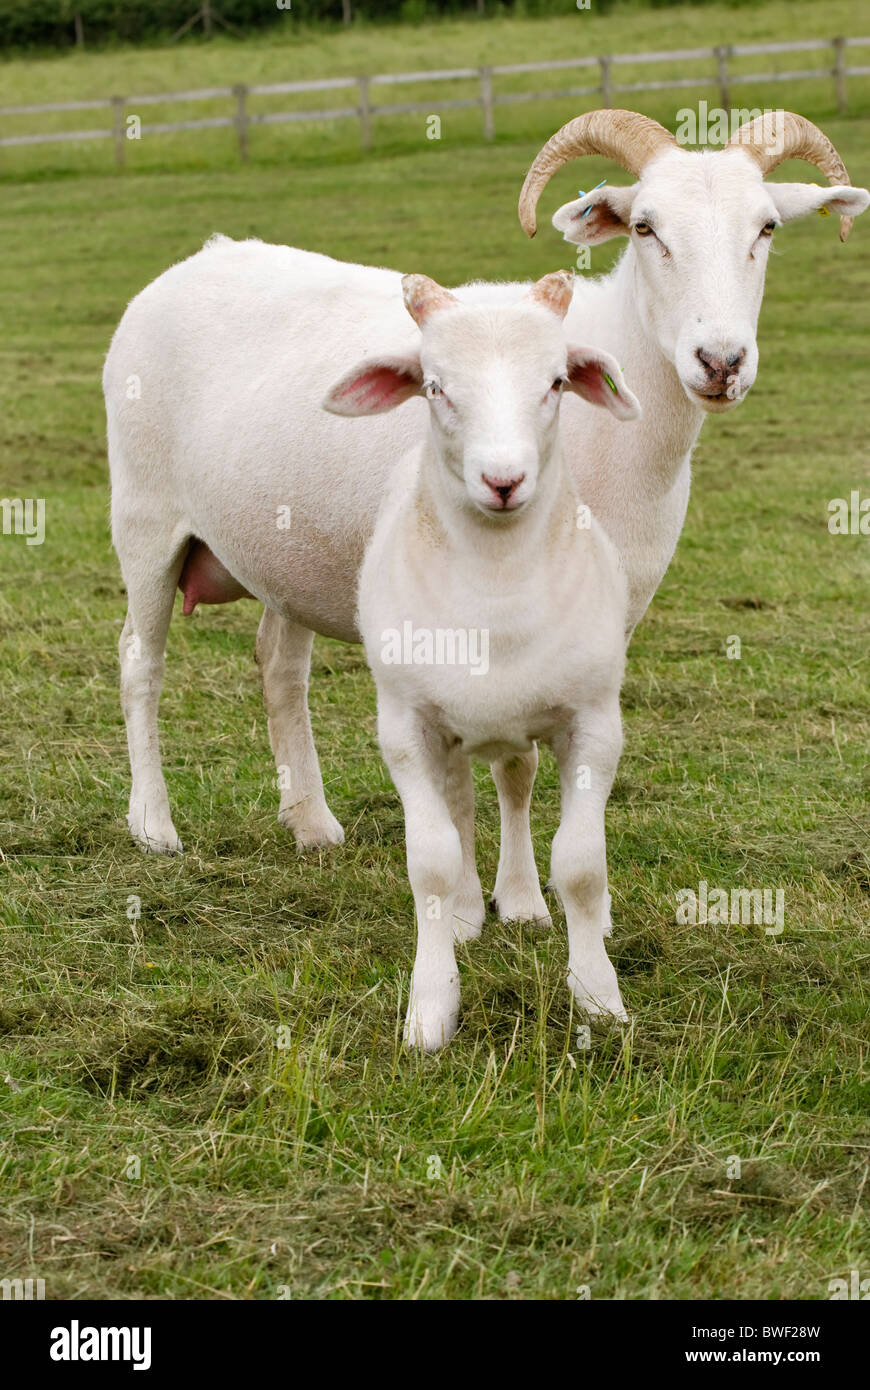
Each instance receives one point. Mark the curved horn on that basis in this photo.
(626, 136)
(781, 135)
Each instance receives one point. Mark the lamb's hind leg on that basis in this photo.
(151, 561)
(517, 895)
(284, 656)
(469, 911)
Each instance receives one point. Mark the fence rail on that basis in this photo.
(487, 100)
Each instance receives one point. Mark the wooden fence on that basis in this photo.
(364, 109)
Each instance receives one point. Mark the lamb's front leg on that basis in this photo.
(417, 758)
(587, 753)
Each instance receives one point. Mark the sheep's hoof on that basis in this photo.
(428, 1030)
(433, 1013)
(596, 991)
(469, 915)
(315, 832)
(522, 904)
(602, 1007)
(154, 839)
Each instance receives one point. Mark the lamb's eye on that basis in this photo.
(643, 229)
(558, 383)
(768, 229)
(432, 389)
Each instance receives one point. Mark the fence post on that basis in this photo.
(722, 53)
(240, 92)
(79, 29)
(604, 64)
(365, 113)
(118, 129)
(486, 103)
(840, 73)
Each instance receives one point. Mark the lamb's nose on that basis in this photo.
(721, 367)
(502, 489)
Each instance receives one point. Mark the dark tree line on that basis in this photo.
(62, 23)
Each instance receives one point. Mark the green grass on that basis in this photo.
(312, 1166)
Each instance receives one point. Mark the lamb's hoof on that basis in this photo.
(155, 839)
(469, 915)
(433, 1012)
(596, 992)
(314, 832)
(429, 1029)
(521, 903)
(602, 1007)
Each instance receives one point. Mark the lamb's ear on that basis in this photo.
(797, 199)
(376, 385)
(597, 377)
(597, 216)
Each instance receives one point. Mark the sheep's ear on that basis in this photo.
(376, 385)
(597, 377)
(797, 199)
(597, 216)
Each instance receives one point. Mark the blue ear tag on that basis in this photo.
(583, 195)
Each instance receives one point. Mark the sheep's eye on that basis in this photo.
(643, 229)
(768, 229)
(558, 383)
(432, 389)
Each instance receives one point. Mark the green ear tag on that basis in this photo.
(610, 383)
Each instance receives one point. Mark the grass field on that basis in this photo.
(514, 1165)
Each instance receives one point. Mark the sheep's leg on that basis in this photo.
(587, 754)
(469, 911)
(150, 563)
(417, 758)
(517, 895)
(284, 656)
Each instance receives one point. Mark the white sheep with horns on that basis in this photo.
(228, 478)
(477, 538)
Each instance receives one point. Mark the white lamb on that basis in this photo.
(479, 534)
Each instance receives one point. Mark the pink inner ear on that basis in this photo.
(599, 220)
(588, 379)
(378, 387)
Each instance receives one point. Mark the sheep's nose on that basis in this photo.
(502, 489)
(720, 367)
